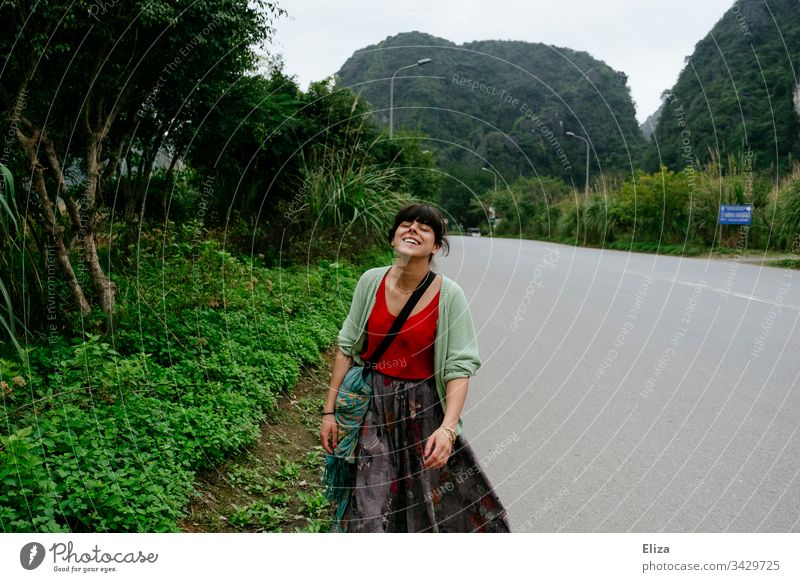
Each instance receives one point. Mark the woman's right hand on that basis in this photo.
(329, 433)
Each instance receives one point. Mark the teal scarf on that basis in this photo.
(351, 407)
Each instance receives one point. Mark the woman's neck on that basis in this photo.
(408, 275)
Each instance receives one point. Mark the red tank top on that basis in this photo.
(410, 355)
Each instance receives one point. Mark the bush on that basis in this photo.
(107, 434)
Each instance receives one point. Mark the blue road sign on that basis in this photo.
(735, 214)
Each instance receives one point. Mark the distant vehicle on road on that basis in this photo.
(473, 231)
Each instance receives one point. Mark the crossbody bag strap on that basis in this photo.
(400, 320)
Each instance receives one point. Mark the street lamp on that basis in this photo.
(586, 186)
(491, 214)
(419, 63)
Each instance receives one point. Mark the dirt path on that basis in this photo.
(763, 258)
(275, 485)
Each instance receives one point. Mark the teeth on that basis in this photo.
(411, 240)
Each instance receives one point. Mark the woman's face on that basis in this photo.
(421, 233)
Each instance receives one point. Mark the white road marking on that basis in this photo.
(720, 290)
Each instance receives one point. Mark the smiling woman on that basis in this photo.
(412, 471)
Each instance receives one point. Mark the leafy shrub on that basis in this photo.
(106, 433)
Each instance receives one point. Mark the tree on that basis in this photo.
(84, 84)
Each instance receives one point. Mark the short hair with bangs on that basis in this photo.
(426, 214)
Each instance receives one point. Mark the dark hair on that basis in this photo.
(426, 214)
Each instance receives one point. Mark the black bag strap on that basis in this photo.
(399, 321)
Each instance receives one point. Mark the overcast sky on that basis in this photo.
(646, 39)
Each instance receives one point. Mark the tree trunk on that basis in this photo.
(129, 190)
(54, 230)
(105, 288)
(168, 180)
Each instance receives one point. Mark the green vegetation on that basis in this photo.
(505, 104)
(270, 506)
(723, 131)
(9, 253)
(666, 212)
(194, 225)
(735, 94)
(106, 434)
(166, 307)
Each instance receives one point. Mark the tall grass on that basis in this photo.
(9, 234)
(349, 193)
(665, 211)
(787, 205)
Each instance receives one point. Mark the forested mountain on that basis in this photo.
(501, 104)
(736, 92)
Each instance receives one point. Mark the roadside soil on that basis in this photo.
(763, 258)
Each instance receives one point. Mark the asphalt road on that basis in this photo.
(628, 392)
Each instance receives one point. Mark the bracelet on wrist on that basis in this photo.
(450, 433)
(324, 413)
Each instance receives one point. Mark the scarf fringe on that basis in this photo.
(338, 480)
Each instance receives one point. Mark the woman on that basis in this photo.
(414, 470)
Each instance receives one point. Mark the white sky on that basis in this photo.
(646, 39)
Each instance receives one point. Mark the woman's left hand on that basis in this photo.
(437, 450)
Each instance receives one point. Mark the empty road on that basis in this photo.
(627, 392)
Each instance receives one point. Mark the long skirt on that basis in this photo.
(393, 491)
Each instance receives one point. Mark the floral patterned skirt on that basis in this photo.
(393, 492)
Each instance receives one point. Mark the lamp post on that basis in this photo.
(419, 63)
(586, 185)
(491, 216)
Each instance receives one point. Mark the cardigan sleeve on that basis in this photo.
(462, 359)
(348, 334)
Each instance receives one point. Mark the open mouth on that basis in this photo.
(411, 241)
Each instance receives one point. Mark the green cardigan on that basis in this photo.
(455, 353)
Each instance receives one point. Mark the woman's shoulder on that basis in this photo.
(374, 273)
(451, 289)
(371, 277)
(449, 284)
